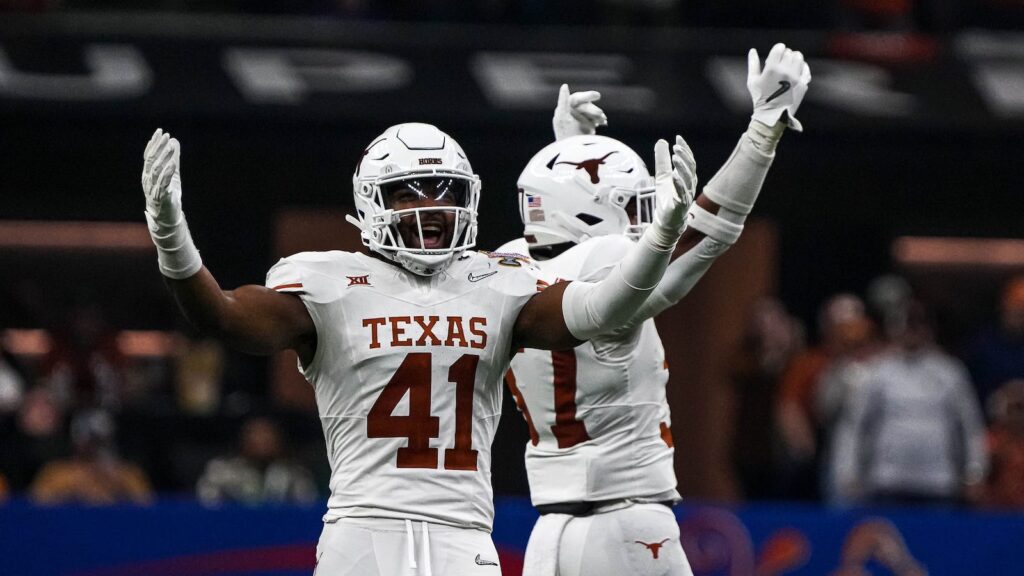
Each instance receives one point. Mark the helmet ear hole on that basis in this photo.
(589, 219)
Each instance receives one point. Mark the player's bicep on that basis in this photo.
(263, 320)
(541, 323)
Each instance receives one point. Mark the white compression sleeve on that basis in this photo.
(734, 188)
(681, 276)
(738, 182)
(592, 309)
(177, 255)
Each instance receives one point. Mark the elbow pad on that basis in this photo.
(714, 225)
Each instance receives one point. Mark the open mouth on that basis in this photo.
(433, 236)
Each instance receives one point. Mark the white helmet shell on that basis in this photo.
(580, 187)
(407, 152)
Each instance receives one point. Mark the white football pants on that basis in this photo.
(387, 547)
(640, 540)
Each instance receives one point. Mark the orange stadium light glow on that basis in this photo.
(27, 342)
(131, 343)
(963, 252)
(65, 235)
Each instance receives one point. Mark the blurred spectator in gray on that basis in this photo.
(94, 474)
(12, 383)
(35, 437)
(889, 297)
(771, 339)
(844, 329)
(259, 473)
(1004, 487)
(911, 429)
(996, 354)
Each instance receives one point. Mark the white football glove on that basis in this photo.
(673, 190)
(576, 114)
(685, 174)
(161, 183)
(161, 178)
(779, 88)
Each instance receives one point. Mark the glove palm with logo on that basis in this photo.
(576, 114)
(779, 88)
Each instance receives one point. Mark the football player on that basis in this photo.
(599, 459)
(405, 343)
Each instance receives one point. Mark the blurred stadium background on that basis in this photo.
(131, 445)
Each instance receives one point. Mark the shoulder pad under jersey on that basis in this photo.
(510, 273)
(517, 246)
(318, 276)
(591, 260)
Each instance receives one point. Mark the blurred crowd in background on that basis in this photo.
(876, 411)
(863, 407)
(872, 411)
(933, 16)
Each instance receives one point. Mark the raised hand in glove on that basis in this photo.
(674, 191)
(576, 113)
(161, 183)
(778, 89)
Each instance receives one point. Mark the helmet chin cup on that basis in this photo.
(422, 264)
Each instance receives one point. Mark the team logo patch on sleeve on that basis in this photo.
(359, 280)
(508, 258)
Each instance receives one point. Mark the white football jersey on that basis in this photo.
(598, 417)
(407, 374)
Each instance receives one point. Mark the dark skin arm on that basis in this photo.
(251, 318)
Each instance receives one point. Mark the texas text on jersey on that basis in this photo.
(405, 374)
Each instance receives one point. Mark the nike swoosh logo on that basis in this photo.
(783, 88)
(473, 278)
(481, 562)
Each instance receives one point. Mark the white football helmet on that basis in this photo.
(584, 186)
(416, 158)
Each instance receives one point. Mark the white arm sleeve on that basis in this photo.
(592, 309)
(177, 255)
(680, 277)
(737, 183)
(735, 188)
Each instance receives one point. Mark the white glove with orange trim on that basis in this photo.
(161, 183)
